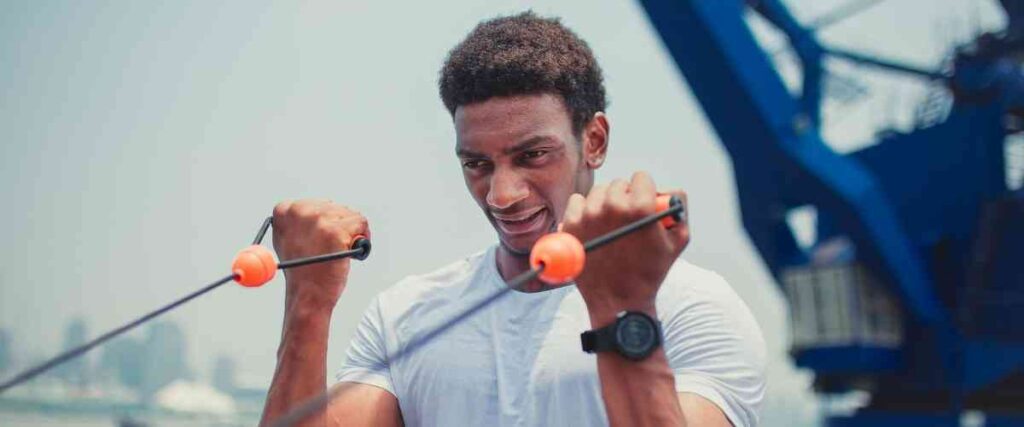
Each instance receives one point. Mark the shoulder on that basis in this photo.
(685, 278)
(695, 301)
(690, 288)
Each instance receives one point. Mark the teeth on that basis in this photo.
(517, 218)
(522, 224)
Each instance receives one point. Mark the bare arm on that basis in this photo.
(644, 393)
(301, 371)
(301, 375)
(306, 228)
(626, 275)
(638, 392)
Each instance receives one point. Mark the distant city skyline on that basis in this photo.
(143, 361)
(145, 374)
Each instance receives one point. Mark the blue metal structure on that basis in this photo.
(913, 290)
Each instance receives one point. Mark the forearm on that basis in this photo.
(637, 392)
(301, 371)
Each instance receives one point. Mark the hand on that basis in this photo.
(315, 227)
(624, 274)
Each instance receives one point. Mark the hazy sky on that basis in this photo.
(141, 144)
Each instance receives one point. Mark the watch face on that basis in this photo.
(636, 336)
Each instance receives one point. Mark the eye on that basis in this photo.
(534, 154)
(474, 164)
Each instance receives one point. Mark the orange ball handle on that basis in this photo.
(562, 256)
(254, 266)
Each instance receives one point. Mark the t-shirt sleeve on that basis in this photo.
(366, 361)
(715, 347)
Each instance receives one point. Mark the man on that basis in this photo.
(527, 101)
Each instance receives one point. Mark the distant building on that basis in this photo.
(145, 365)
(76, 371)
(123, 361)
(224, 372)
(164, 351)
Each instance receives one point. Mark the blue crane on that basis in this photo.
(913, 288)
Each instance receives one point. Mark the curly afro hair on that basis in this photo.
(521, 55)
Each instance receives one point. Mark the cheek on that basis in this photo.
(477, 186)
(557, 188)
(559, 202)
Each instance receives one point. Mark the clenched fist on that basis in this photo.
(625, 274)
(306, 228)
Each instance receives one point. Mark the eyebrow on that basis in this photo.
(522, 146)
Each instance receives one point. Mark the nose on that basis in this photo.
(507, 188)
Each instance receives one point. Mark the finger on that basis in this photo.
(281, 208)
(617, 197)
(320, 201)
(643, 192)
(340, 233)
(304, 210)
(595, 200)
(573, 210)
(355, 225)
(340, 211)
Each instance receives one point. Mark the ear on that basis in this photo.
(595, 140)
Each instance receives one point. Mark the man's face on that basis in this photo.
(521, 162)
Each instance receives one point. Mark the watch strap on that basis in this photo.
(599, 340)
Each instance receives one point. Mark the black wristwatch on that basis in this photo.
(634, 335)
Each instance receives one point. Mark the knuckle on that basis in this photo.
(304, 210)
(620, 206)
(324, 226)
(281, 209)
(356, 222)
(636, 210)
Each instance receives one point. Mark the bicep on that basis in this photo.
(698, 411)
(356, 404)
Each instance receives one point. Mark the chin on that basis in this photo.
(519, 245)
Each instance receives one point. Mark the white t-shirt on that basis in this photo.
(518, 361)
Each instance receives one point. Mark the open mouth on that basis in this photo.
(521, 223)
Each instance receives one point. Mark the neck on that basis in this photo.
(511, 265)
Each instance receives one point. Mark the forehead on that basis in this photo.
(502, 121)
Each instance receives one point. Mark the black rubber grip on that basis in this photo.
(364, 245)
